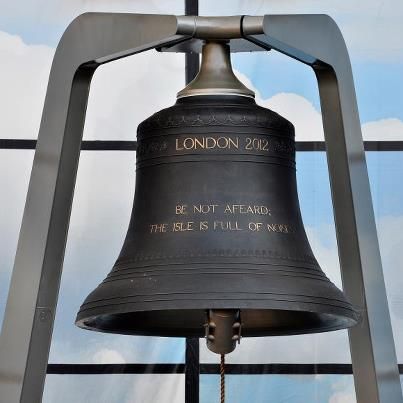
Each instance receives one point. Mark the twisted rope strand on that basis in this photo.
(222, 376)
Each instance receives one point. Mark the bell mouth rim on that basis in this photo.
(309, 322)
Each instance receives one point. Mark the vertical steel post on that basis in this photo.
(191, 59)
(192, 356)
(192, 371)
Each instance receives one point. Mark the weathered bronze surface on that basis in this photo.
(216, 244)
(216, 224)
(216, 76)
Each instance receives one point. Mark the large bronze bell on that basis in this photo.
(216, 245)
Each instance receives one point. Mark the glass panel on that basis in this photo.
(386, 171)
(280, 388)
(15, 168)
(145, 388)
(100, 217)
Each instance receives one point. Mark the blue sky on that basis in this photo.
(114, 112)
(379, 86)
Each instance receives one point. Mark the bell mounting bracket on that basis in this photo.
(93, 39)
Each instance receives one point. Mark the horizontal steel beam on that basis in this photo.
(205, 369)
(121, 145)
(228, 27)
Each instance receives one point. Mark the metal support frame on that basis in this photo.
(192, 353)
(95, 38)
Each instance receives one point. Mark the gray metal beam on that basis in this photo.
(192, 351)
(90, 40)
(317, 41)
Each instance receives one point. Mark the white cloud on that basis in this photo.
(81, 346)
(158, 389)
(343, 391)
(297, 109)
(25, 72)
(288, 349)
(127, 91)
(341, 397)
(15, 168)
(108, 356)
(322, 239)
(53, 15)
(372, 30)
(141, 388)
(308, 120)
(384, 129)
(122, 94)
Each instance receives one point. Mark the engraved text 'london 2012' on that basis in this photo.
(221, 142)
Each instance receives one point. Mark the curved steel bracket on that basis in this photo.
(96, 38)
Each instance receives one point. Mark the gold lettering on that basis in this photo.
(261, 210)
(246, 209)
(222, 142)
(210, 142)
(177, 145)
(242, 209)
(182, 226)
(282, 228)
(158, 228)
(255, 226)
(199, 143)
(189, 143)
(227, 226)
(235, 144)
(181, 209)
(271, 227)
(204, 208)
(236, 208)
(227, 209)
(203, 226)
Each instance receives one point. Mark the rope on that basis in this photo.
(222, 376)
